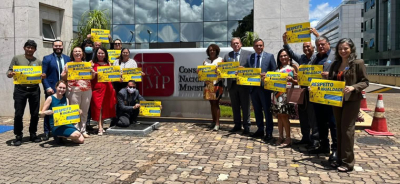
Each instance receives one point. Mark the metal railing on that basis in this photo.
(383, 70)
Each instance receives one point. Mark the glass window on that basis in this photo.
(104, 5)
(372, 23)
(215, 10)
(122, 14)
(47, 30)
(191, 32)
(168, 32)
(168, 11)
(79, 7)
(145, 32)
(191, 10)
(146, 11)
(215, 31)
(238, 9)
(220, 44)
(124, 32)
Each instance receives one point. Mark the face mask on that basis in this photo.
(88, 50)
(131, 90)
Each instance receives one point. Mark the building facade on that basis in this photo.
(345, 21)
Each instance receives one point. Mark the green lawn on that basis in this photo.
(226, 112)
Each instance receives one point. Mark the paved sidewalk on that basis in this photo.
(189, 153)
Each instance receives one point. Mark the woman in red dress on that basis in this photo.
(103, 94)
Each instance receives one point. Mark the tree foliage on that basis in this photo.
(248, 38)
(244, 25)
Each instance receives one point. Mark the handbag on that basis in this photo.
(295, 95)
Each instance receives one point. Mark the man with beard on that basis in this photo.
(53, 66)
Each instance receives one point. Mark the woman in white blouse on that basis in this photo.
(124, 62)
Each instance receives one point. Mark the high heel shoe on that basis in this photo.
(279, 141)
(286, 143)
(216, 128)
(100, 133)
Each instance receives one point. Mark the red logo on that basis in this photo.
(159, 70)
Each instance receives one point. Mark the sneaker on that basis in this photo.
(34, 138)
(18, 140)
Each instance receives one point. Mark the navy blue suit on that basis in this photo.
(260, 97)
(51, 69)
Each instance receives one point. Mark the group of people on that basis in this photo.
(316, 119)
(98, 101)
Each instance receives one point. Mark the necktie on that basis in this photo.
(236, 56)
(258, 61)
(59, 65)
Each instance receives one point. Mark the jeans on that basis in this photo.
(21, 95)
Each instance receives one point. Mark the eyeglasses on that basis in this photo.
(117, 43)
(131, 87)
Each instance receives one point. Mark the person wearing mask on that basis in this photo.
(239, 95)
(58, 99)
(306, 111)
(53, 66)
(24, 92)
(324, 113)
(260, 97)
(103, 94)
(87, 47)
(79, 91)
(348, 68)
(128, 105)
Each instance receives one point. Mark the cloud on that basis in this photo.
(320, 11)
(121, 14)
(190, 13)
(146, 11)
(237, 9)
(168, 34)
(168, 11)
(314, 23)
(215, 31)
(215, 10)
(191, 32)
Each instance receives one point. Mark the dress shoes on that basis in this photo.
(46, 137)
(320, 150)
(235, 129)
(301, 142)
(268, 137)
(34, 138)
(246, 131)
(258, 134)
(18, 140)
(333, 156)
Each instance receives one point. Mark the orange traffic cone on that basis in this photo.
(379, 126)
(363, 105)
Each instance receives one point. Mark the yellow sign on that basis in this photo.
(65, 115)
(327, 92)
(227, 69)
(275, 81)
(206, 68)
(113, 55)
(100, 35)
(79, 70)
(150, 108)
(132, 74)
(27, 74)
(298, 33)
(309, 72)
(208, 76)
(249, 76)
(109, 74)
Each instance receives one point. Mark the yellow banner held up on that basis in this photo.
(150, 108)
(327, 92)
(309, 72)
(275, 81)
(207, 73)
(109, 73)
(79, 70)
(249, 76)
(298, 33)
(227, 69)
(132, 74)
(27, 74)
(66, 115)
(113, 55)
(100, 35)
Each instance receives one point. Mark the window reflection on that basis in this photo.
(215, 31)
(191, 10)
(121, 13)
(144, 32)
(104, 5)
(232, 25)
(124, 32)
(215, 10)
(238, 9)
(79, 6)
(168, 32)
(146, 11)
(191, 32)
(168, 11)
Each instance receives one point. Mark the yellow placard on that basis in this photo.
(113, 55)
(109, 74)
(297, 33)
(227, 69)
(208, 76)
(100, 35)
(65, 115)
(206, 68)
(309, 72)
(79, 70)
(275, 81)
(132, 74)
(150, 108)
(327, 92)
(27, 74)
(249, 76)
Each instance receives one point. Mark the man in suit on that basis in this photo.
(239, 95)
(261, 97)
(52, 66)
(128, 105)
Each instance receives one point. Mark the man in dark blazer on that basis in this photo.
(239, 95)
(52, 66)
(260, 97)
(128, 105)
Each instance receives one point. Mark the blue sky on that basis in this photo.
(320, 8)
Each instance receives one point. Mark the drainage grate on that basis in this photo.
(375, 141)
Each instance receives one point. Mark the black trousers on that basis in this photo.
(308, 120)
(240, 100)
(326, 122)
(21, 95)
(127, 118)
